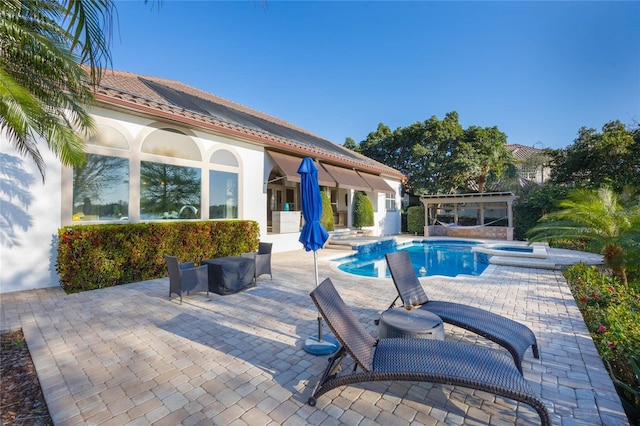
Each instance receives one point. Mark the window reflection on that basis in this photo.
(169, 192)
(101, 189)
(223, 195)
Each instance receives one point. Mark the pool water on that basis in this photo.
(448, 258)
(514, 249)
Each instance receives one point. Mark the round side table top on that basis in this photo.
(396, 322)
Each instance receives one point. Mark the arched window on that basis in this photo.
(171, 143)
(223, 185)
(101, 185)
(108, 137)
(169, 190)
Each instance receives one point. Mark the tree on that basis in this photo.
(480, 155)
(441, 137)
(600, 219)
(349, 143)
(376, 145)
(420, 151)
(439, 156)
(43, 87)
(534, 202)
(610, 157)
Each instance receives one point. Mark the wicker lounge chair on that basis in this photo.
(186, 277)
(511, 335)
(413, 359)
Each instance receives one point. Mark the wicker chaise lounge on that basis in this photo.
(412, 359)
(512, 335)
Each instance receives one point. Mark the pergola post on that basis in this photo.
(426, 220)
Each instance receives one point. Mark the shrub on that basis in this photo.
(534, 202)
(96, 256)
(362, 210)
(612, 314)
(415, 220)
(327, 213)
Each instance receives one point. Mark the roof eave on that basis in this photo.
(190, 118)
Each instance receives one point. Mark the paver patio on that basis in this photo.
(129, 355)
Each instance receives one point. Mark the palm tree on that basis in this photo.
(43, 86)
(601, 220)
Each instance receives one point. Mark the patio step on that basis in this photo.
(349, 239)
(523, 262)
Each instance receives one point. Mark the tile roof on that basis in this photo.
(175, 101)
(522, 152)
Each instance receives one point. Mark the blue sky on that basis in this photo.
(538, 70)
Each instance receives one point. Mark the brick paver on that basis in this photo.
(129, 355)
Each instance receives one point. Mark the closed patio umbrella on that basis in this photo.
(313, 236)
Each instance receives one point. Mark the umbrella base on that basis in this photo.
(328, 345)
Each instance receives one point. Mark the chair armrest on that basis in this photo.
(187, 265)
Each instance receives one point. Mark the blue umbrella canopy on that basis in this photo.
(313, 235)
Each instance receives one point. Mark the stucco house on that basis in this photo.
(164, 150)
(532, 162)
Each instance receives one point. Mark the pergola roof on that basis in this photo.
(481, 197)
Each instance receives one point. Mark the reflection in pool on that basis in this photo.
(439, 257)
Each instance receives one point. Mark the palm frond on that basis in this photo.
(89, 24)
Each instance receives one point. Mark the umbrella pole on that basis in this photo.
(315, 264)
(316, 345)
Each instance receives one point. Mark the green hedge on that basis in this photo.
(97, 256)
(415, 220)
(362, 210)
(327, 213)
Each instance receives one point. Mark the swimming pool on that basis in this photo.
(516, 249)
(448, 258)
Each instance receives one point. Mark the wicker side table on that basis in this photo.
(424, 324)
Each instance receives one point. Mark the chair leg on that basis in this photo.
(333, 368)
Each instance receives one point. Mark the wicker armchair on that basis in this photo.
(262, 258)
(512, 335)
(185, 277)
(414, 359)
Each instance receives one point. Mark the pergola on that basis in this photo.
(481, 199)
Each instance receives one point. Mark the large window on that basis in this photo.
(223, 185)
(169, 192)
(101, 189)
(168, 179)
(223, 195)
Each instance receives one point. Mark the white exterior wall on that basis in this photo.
(29, 220)
(384, 222)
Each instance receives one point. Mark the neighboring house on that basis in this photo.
(533, 162)
(167, 151)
